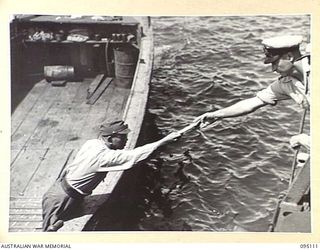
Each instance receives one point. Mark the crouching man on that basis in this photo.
(94, 160)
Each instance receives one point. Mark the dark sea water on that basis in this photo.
(229, 176)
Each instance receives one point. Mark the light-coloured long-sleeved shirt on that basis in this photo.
(95, 159)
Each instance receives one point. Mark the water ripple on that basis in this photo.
(229, 176)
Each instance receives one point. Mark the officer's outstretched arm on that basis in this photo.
(238, 109)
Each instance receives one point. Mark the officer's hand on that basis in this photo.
(206, 119)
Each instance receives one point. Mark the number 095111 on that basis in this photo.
(309, 246)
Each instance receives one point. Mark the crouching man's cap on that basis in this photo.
(117, 127)
(276, 46)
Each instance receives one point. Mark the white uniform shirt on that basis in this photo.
(286, 88)
(95, 159)
(283, 89)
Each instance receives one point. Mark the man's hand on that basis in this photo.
(206, 119)
(300, 140)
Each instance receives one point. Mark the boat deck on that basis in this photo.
(48, 127)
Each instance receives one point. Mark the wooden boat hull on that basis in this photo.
(50, 123)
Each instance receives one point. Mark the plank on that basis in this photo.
(100, 90)
(77, 131)
(23, 169)
(104, 100)
(27, 104)
(25, 202)
(26, 211)
(53, 122)
(25, 217)
(14, 155)
(31, 121)
(48, 171)
(81, 93)
(78, 117)
(112, 113)
(56, 136)
(25, 226)
(46, 130)
(118, 102)
(90, 122)
(95, 84)
(69, 120)
(63, 133)
(25, 214)
(68, 93)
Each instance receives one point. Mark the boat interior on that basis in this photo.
(68, 76)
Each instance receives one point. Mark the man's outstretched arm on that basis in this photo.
(117, 160)
(240, 108)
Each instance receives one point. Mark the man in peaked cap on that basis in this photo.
(90, 166)
(285, 58)
(275, 47)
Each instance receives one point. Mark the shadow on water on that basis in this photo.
(140, 193)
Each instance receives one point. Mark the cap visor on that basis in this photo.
(271, 59)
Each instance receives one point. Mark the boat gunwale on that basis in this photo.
(145, 63)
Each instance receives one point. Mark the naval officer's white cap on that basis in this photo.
(274, 47)
(278, 42)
